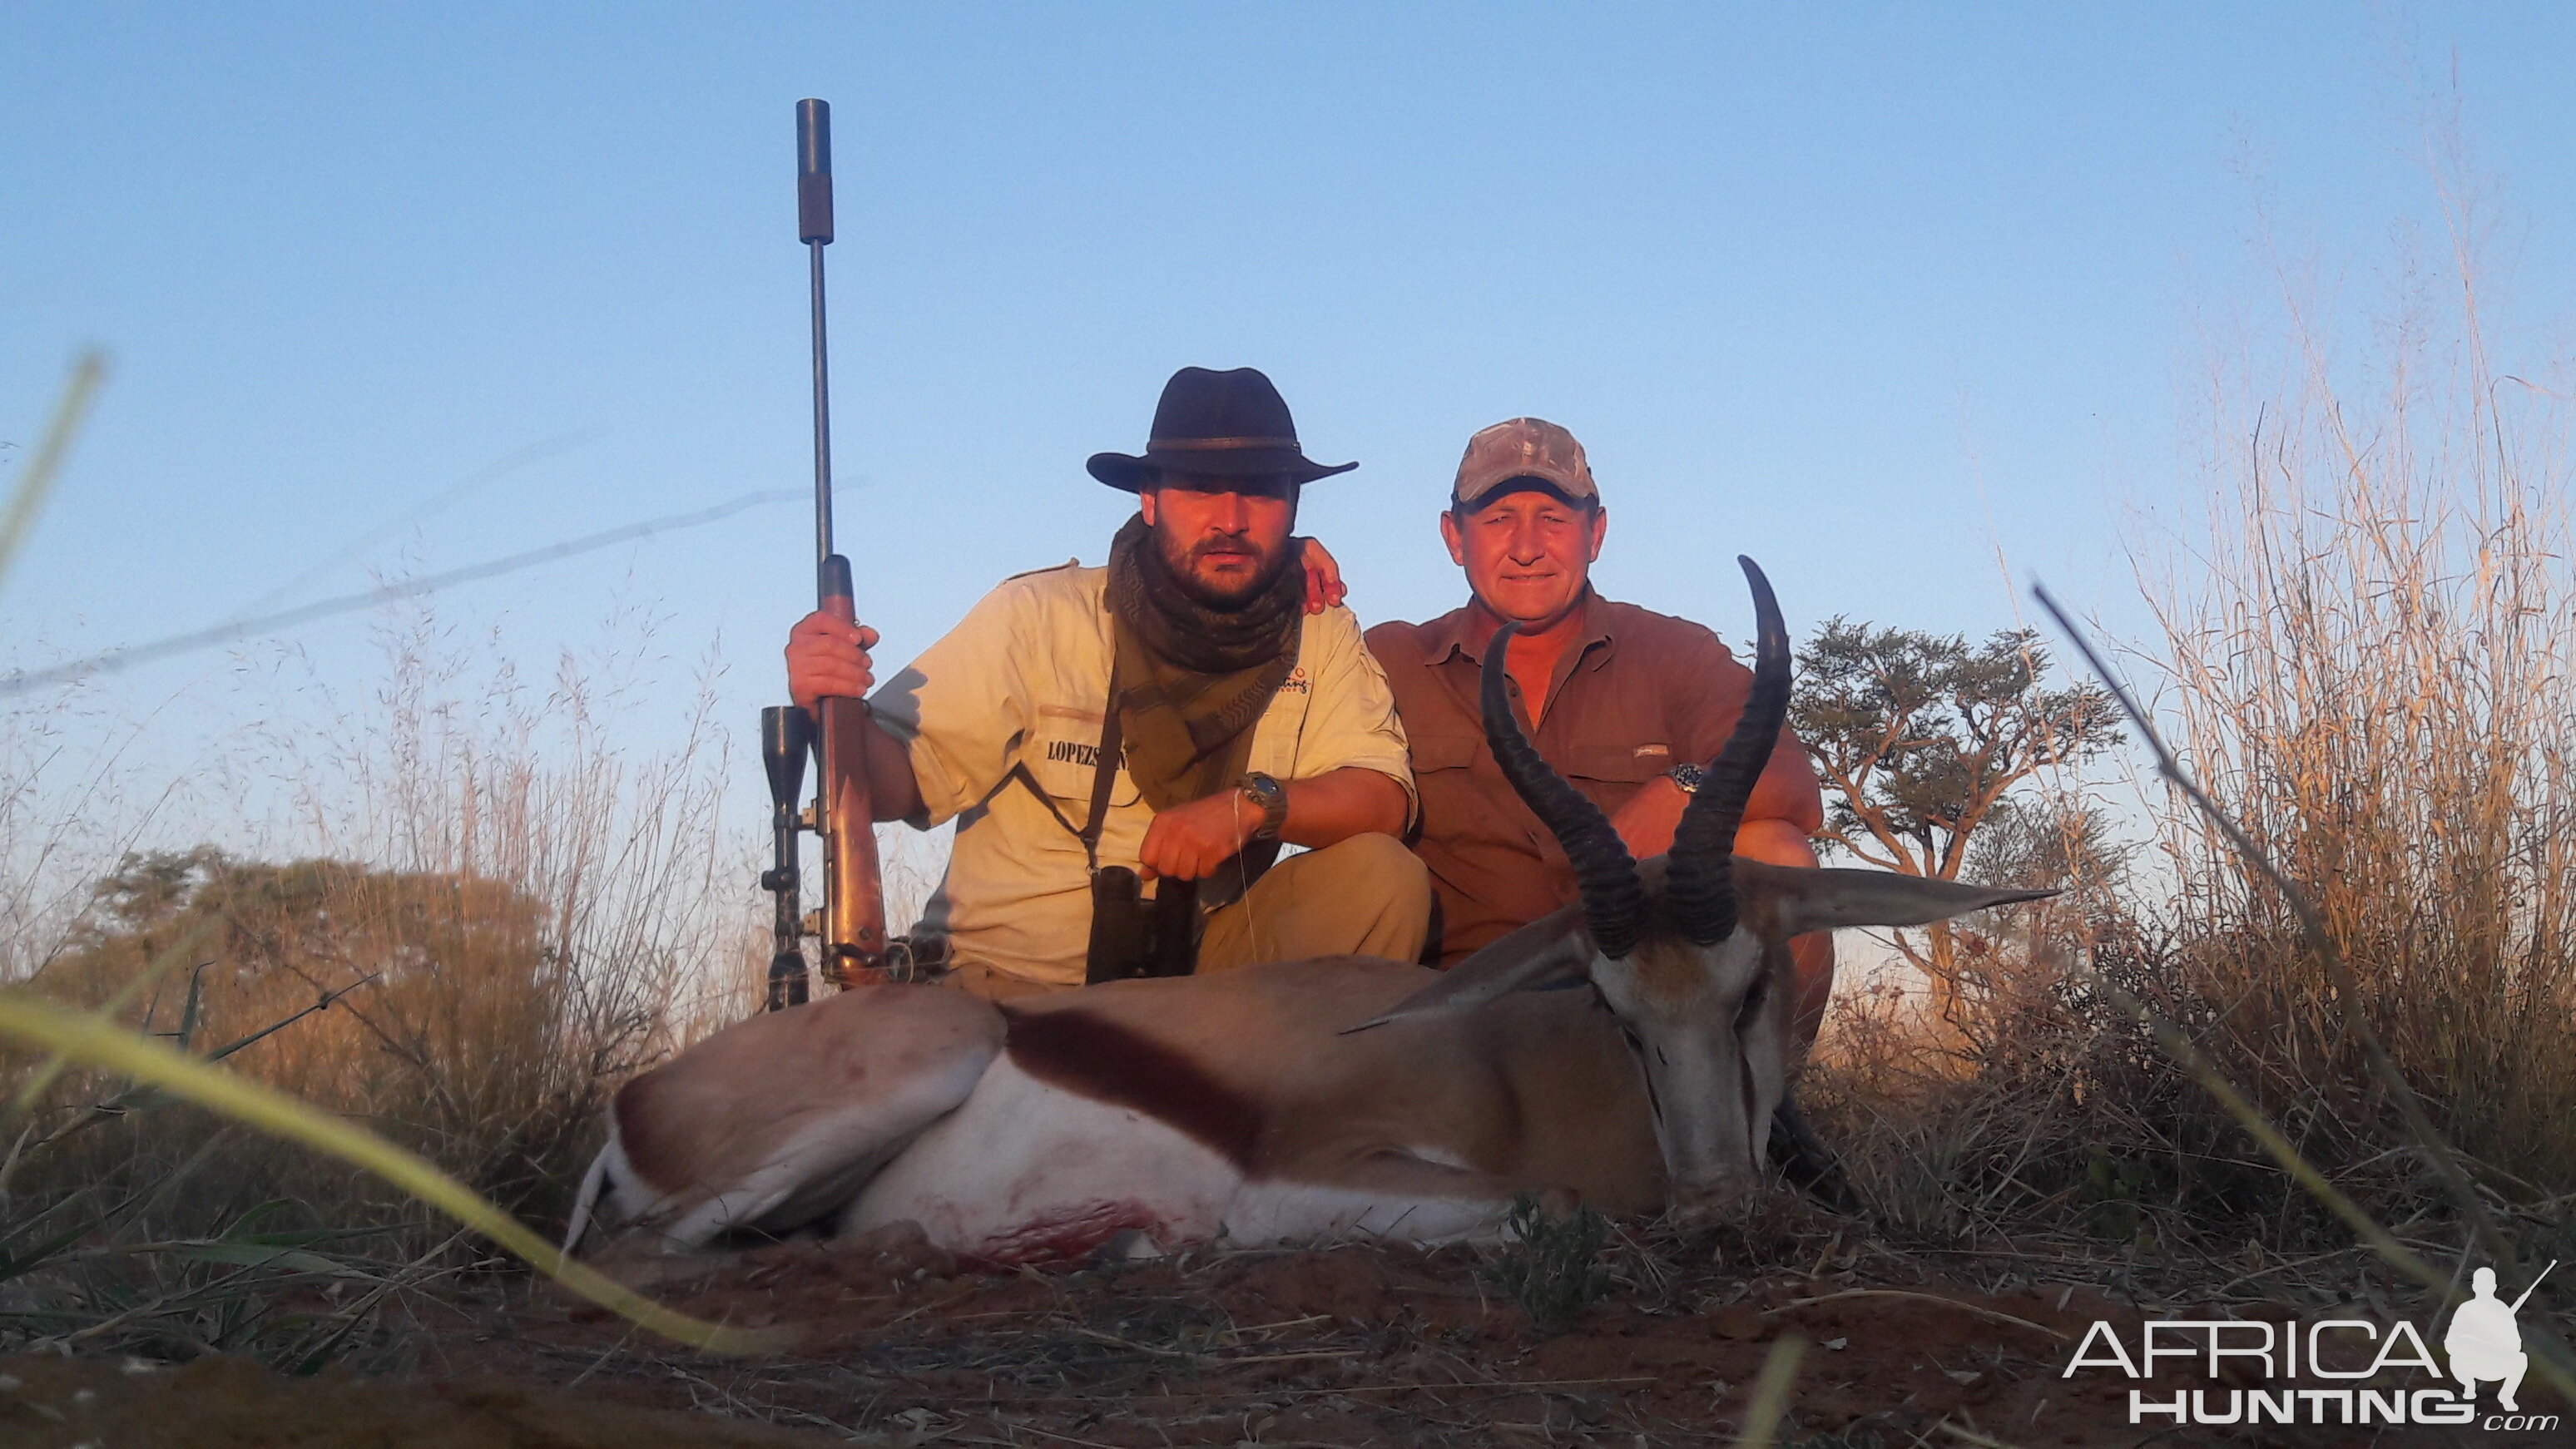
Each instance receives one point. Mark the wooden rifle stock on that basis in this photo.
(854, 935)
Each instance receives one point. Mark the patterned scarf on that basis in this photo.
(1190, 679)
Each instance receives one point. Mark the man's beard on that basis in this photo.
(1182, 561)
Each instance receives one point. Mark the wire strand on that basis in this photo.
(115, 661)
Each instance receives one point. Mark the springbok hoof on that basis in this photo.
(901, 1248)
(1559, 1203)
(1130, 1245)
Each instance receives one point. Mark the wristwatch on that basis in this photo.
(1688, 776)
(1272, 797)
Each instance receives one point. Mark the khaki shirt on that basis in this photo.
(1021, 682)
(1637, 693)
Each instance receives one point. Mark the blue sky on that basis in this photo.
(1871, 293)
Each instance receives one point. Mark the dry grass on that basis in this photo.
(2374, 669)
(540, 913)
(2368, 659)
(2376, 679)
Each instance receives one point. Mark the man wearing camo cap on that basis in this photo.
(1627, 704)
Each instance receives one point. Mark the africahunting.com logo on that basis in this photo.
(2482, 1345)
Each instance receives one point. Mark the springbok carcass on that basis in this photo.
(1631, 1050)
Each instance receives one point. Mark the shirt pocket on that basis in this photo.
(1443, 752)
(1063, 757)
(1615, 764)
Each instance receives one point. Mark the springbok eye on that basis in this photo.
(1752, 1002)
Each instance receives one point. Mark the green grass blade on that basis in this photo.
(248, 1255)
(86, 1039)
(44, 1075)
(38, 480)
(1770, 1397)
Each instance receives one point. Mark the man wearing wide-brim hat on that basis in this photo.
(1177, 713)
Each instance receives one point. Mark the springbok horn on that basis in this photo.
(1614, 898)
(1699, 881)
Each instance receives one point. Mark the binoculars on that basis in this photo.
(1132, 937)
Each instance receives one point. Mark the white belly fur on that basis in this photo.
(1028, 1172)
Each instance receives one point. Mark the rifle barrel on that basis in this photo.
(2534, 1288)
(814, 228)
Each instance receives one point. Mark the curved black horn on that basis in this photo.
(1614, 899)
(1699, 876)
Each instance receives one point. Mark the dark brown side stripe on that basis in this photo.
(645, 1154)
(1090, 1057)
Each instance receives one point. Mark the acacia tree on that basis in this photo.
(1919, 738)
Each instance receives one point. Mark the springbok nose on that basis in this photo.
(1695, 1203)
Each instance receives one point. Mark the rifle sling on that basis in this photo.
(1233, 878)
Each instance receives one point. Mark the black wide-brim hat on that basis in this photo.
(1225, 424)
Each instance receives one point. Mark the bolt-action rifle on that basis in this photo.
(852, 922)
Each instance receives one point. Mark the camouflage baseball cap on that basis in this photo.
(1522, 448)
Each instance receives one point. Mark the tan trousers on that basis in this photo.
(993, 985)
(1365, 896)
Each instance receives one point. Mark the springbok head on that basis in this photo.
(1687, 949)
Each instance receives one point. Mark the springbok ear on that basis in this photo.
(1821, 900)
(1546, 952)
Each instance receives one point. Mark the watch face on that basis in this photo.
(1273, 799)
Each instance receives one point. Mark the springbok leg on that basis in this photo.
(777, 1121)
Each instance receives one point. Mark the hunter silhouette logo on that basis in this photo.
(2332, 1371)
(2484, 1341)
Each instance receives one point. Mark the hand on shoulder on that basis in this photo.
(1324, 586)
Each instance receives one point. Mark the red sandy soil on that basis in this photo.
(1355, 1345)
